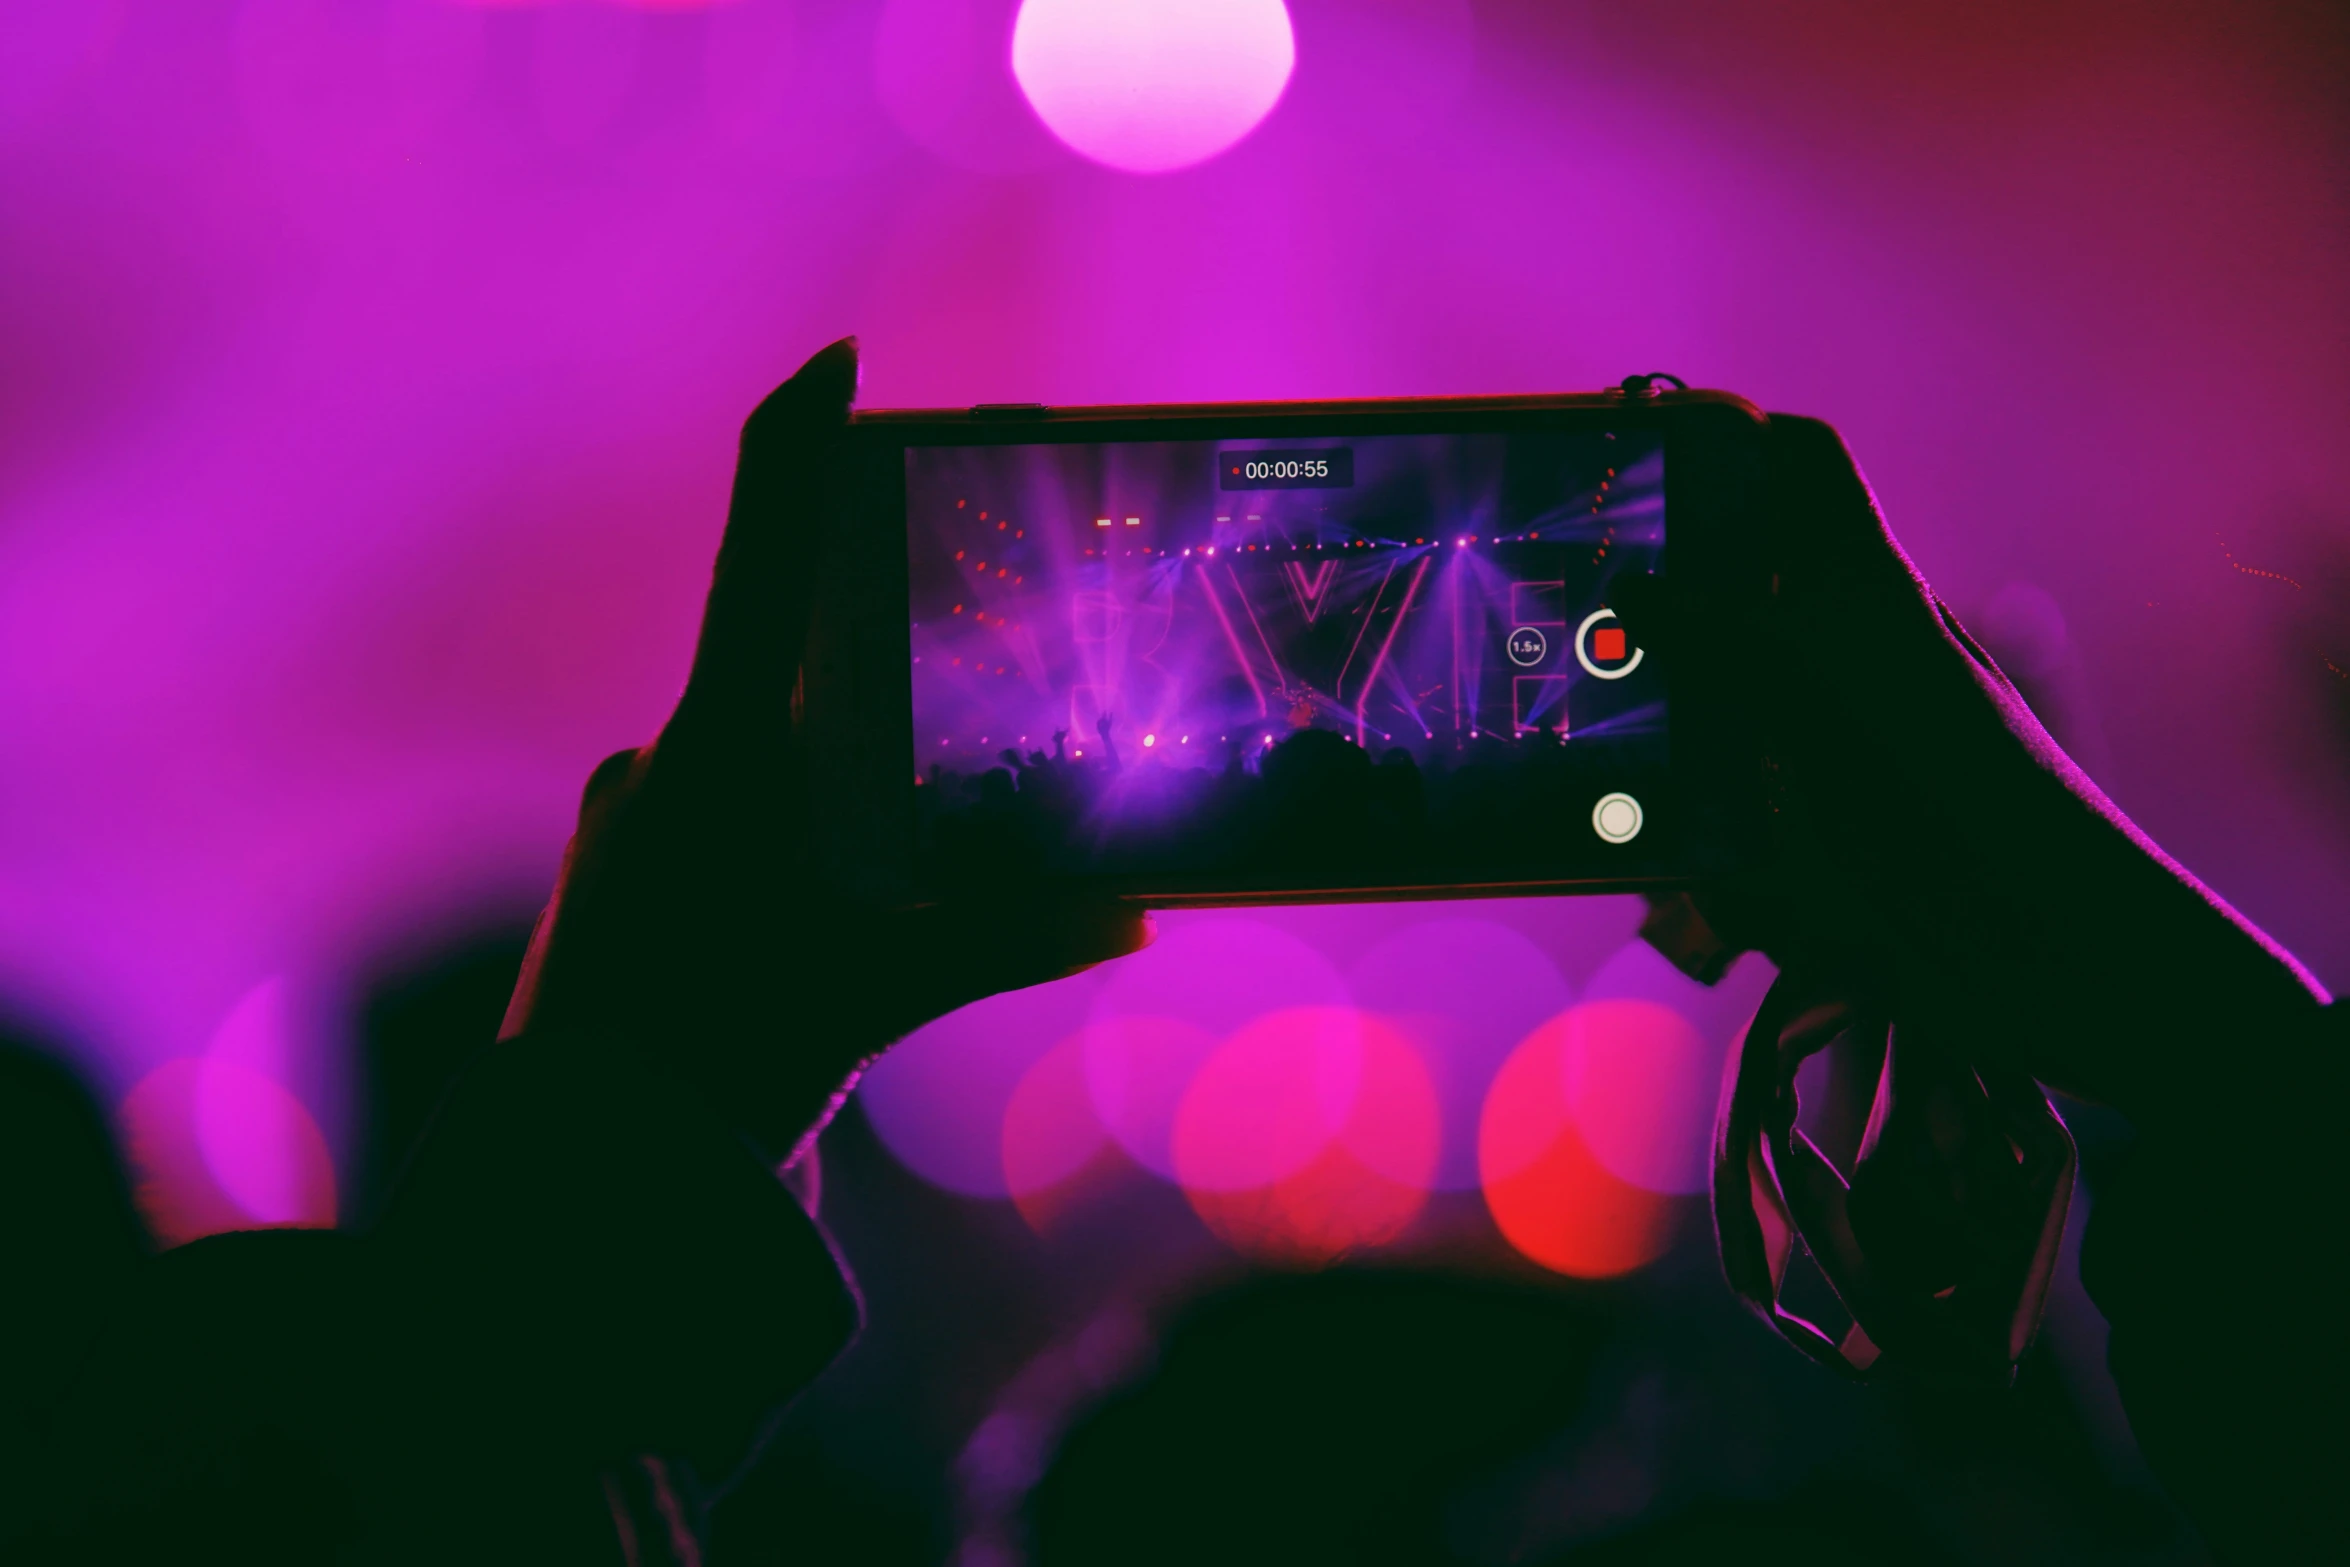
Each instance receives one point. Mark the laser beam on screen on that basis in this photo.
(1193, 628)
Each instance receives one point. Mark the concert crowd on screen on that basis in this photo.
(1278, 803)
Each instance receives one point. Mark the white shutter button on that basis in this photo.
(1616, 818)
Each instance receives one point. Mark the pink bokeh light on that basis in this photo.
(1310, 1133)
(1150, 86)
(1137, 1066)
(1640, 1082)
(1464, 991)
(262, 1147)
(1057, 1157)
(1270, 1099)
(939, 1101)
(1160, 1014)
(214, 1145)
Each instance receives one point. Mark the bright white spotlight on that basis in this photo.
(1152, 85)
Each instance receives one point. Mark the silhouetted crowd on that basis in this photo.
(1311, 800)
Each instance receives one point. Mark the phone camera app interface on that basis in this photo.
(1368, 660)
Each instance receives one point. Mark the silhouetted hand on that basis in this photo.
(690, 919)
(1929, 832)
(1939, 857)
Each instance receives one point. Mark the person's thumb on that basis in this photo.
(790, 482)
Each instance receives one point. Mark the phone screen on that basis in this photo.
(1354, 661)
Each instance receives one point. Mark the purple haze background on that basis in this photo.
(369, 375)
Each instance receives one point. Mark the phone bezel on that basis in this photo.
(854, 712)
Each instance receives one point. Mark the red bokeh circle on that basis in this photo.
(1311, 1132)
(1550, 1196)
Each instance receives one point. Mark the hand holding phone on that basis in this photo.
(1925, 826)
(693, 918)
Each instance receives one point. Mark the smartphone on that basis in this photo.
(1279, 652)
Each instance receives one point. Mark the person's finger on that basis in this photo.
(1822, 516)
(1860, 622)
(608, 785)
(789, 481)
